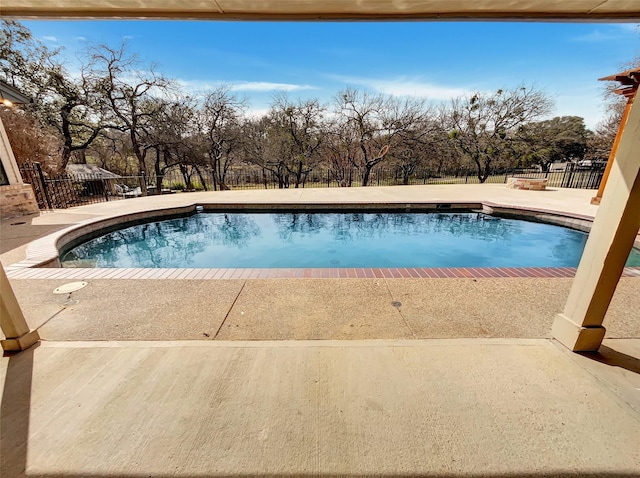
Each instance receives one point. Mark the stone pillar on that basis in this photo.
(16, 198)
(614, 229)
(14, 326)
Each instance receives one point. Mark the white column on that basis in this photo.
(8, 159)
(614, 229)
(14, 326)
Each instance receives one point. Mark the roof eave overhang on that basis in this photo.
(296, 10)
(8, 92)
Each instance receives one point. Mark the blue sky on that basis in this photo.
(435, 60)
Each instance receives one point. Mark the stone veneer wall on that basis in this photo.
(531, 184)
(17, 200)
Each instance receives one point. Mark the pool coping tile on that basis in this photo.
(299, 273)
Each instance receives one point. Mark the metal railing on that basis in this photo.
(65, 191)
(74, 190)
(251, 178)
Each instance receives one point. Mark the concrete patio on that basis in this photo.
(463, 407)
(358, 377)
(361, 408)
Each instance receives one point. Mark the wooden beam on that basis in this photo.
(483, 10)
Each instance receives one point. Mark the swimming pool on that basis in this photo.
(334, 239)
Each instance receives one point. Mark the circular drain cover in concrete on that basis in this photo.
(70, 287)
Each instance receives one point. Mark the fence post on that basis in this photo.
(568, 184)
(328, 178)
(105, 190)
(43, 185)
(598, 179)
(564, 176)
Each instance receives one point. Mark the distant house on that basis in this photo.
(85, 170)
(559, 166)
(95, 181)
(10, 95)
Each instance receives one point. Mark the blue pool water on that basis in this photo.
(354, 239)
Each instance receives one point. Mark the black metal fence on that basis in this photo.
(573, 177)
(74, 190)
(250, 178)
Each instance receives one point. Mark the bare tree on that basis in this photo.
(22, 57)
(375, 123)
(339, 150)
(172, 133)
(301, 130)
(264, 146)
(30, 141)
(69, 103)
(112, 151)
(74, 108)
(219, 120)
(482, 125)
(130, 92)
(442, 156)
(600, 141)
(360, 120)
(413, 141)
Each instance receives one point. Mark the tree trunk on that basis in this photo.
(479, 170)
(365, 175)
(298, 174)
(483, 174)
(185, 176)
(158, 172)
(202, 181)
(82, 156)
(66, 134)
(140, 156)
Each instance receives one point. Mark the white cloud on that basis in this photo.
(605, 33)
(629, 27)
(197, 86)
(264, 86)
(128, 37)
(597, 36)
(81, 38)
(405, 86)
(256, 113)
(50, 39)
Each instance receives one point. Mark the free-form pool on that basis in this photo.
(320, 239)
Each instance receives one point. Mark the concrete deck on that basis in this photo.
(429, 377)
(360, 408)
(310, 309)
